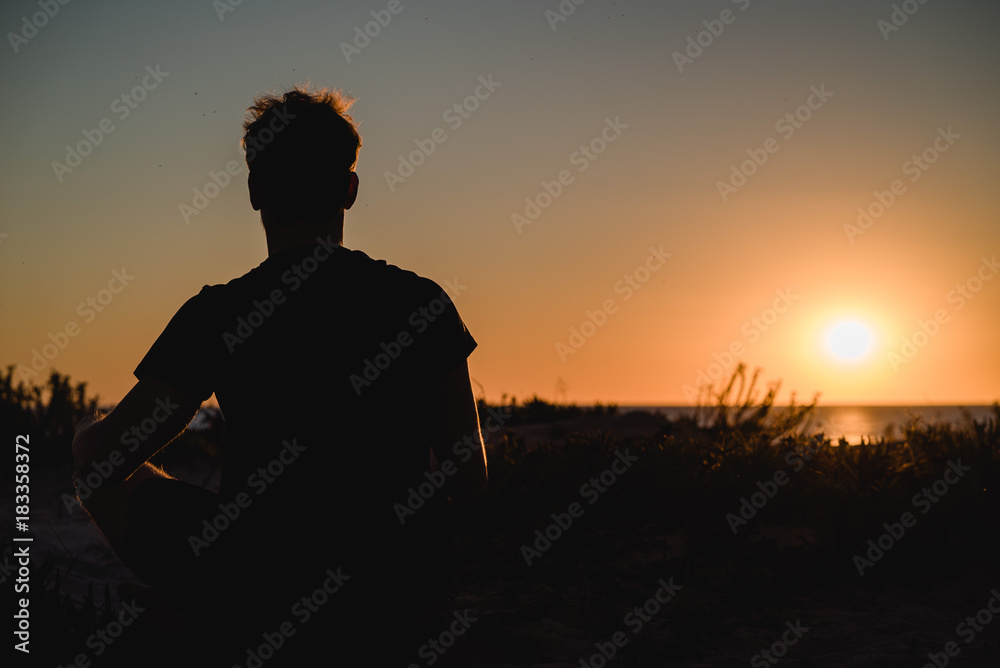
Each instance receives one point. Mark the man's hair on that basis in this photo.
(301, 148)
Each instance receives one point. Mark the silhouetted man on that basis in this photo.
(345, 387)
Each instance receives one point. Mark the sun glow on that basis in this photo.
(849, 340)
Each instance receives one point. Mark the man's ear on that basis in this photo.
(254, 186)
(352, 191)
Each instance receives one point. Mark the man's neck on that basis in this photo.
(279, 237)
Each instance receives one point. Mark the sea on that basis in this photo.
(857, 423)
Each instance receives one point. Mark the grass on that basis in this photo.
(696, 470)
(665, 516)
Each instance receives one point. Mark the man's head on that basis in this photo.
(301, 148)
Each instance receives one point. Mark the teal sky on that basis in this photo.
(655, 184)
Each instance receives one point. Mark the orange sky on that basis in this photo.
(698, 204)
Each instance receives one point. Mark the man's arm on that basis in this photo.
(145, 420)
(461, 424)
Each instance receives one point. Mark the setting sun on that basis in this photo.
(849, 340)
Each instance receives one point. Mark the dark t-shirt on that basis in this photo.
(327, 367)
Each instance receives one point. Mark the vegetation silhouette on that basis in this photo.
(49, 412)
(664, 517)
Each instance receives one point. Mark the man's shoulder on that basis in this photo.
(289, 271)
(390, 273)
(206, 297)
(379, 276)
(397, 276)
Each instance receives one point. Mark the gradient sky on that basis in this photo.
(889, 95)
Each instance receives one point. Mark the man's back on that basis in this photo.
(327, 366)
(322, 344)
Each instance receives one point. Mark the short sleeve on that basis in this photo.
(185, 355)
(449, 340)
